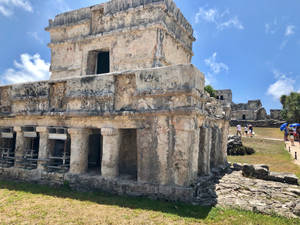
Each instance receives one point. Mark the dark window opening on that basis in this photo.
(7, 150)
(98, 62)
(218, 97)
(244, 117)
(128, 154)
(103, 62)
(222, 97)
(95, 152)
(59, 157)
(31, 153)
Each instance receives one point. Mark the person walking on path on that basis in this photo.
(246, 130)
(250, 130)
(239, 130)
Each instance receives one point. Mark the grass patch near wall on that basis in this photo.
(268, 152)
(22, 203)
(262, 132)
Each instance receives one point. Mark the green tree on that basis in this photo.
(291, 107)
(210, 90)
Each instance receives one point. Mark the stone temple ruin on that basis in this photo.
(251, 112)
(124, 110)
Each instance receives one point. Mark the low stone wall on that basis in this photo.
(257, 123)
(225, 187)
(97, 183)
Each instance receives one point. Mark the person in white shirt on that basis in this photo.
(239, 130)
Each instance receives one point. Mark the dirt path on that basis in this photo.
(294, 151)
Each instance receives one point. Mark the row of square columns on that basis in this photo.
(79, 149)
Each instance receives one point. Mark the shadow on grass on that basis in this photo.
(174, 208)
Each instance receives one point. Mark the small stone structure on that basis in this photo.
(251, 112)
(224, 96)
(124, 110)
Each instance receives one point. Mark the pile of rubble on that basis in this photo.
(235, 147)
(262, 172)
(231, 188)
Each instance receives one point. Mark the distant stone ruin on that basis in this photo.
(251, 112)
(124, 110)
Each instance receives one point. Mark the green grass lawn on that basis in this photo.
(262, 132)
(268, 152)
(34, 204)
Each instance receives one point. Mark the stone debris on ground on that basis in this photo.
(235, 146)
(232, 189)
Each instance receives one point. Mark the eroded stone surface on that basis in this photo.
(235, 190)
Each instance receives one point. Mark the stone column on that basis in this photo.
(183, 158)
(79, 150)
(224, 139)
(43, 146)
(215, 150)
(19, 149)
(110, 155)
(204, 151)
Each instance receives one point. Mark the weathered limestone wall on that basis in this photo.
(167, 150)
(174, 87)
(122, 28)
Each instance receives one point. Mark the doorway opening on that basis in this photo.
(128, 154)
(7, 147)
(59, 150)
(95, 152)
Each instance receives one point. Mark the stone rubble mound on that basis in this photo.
(262, 172)
(235, 146)
(229, 188)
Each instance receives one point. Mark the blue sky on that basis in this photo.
(249, 46)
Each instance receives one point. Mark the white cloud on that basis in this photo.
(290, 30)
(7, 6)
(30, 68)
(272, 28)
(4, 11)
(216, 67)
(36, 37)
(210, 79)
(221, 20)
(283, 86)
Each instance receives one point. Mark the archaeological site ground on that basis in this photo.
(125, 113)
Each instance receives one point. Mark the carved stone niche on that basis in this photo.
(57, 99)
(5, 100)
(125, 91)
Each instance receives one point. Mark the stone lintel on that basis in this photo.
(78, 131)
(18, 129)
(42, 129)
(109, 131)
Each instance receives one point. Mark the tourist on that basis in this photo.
(292, 136)
(246, 130)
(239, 130)
(286, 133)
(250, 130)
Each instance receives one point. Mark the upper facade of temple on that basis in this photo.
(119, 35)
